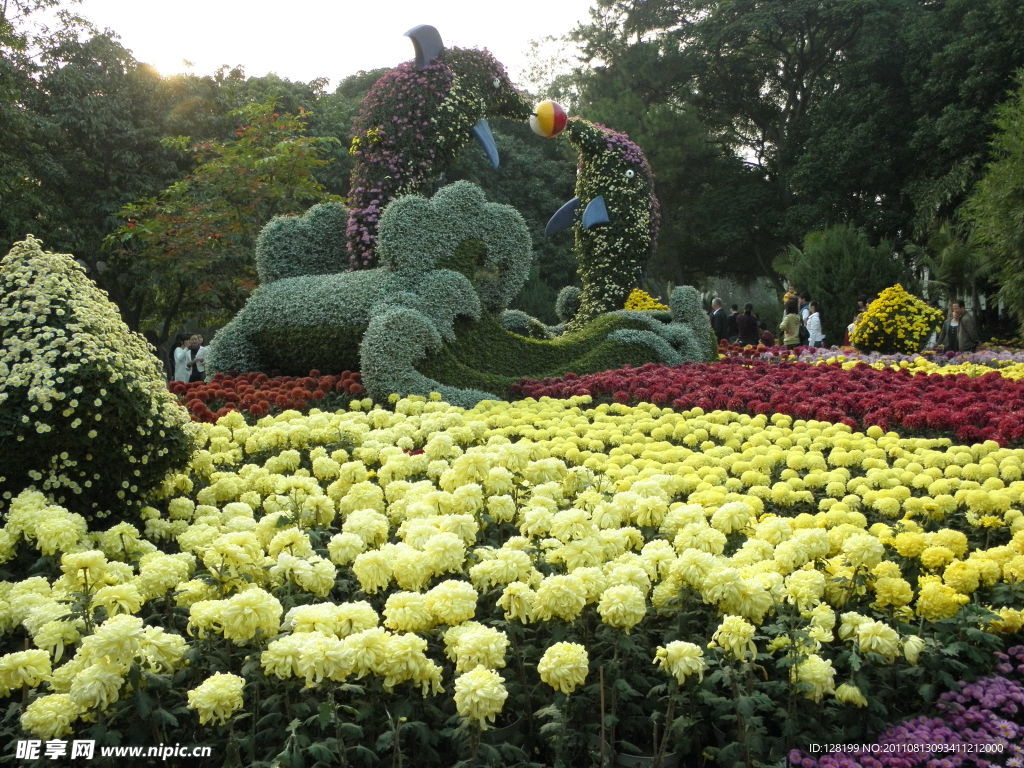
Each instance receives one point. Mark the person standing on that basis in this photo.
(182, 358)
(804, 306)
(198, 362)
(960, 333)
(746, 326)
(734, 330)
(719, 319)
(791, 325)
(816, 338)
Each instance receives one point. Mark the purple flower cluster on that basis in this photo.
(391, 153)
(980, 724)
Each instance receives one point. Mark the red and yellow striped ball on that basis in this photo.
(548, 119)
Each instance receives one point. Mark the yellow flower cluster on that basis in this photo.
(217, 698)
(640, 300)
(896, 321)
(923, 366)
(539, 511)
(564, 666)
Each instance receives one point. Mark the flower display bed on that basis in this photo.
(369, 584)
(961, 407)
(257, 394)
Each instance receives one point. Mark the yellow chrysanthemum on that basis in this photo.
(564, 666)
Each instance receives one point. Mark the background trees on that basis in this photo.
(764, 121)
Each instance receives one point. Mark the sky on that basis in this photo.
(306, 39)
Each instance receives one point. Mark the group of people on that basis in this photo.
(740, 327)
(188, 361)
(802, 325)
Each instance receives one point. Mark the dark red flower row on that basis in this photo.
(969, 409)
(258, 394)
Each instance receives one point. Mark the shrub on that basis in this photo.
(688, 309)
(837, 266)
(486, 356)
(85, 415)
(567, 303)
(896, 321)
(311, 244)
(520, 322)
(458, 229)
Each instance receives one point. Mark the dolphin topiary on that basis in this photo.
(615, 215)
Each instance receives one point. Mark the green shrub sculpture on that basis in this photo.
(430, 317)
(688, 309)
(452, 255)
(85, 415)
(311, 244)
(567, 303)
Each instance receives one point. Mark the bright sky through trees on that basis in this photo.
(305, 39)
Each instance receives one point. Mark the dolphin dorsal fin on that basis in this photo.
(427, 42)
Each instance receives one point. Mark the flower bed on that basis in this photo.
(958, 406)
(256, 394)
(364, 585)
(981, 723)
(1009, 363)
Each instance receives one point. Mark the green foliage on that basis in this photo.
(874, 113)
(458, 229)
(488, 357)
(189, 250)
(86, 416)
(313, 244)
(567, 303)
(517, 321)
(836, 267)
(325, 321)
(997, 202)
(688, 310)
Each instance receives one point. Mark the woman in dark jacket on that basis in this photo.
(746, 326)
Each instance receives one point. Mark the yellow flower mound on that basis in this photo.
(896, 321)
(217, 698)
(564, 666)
(640, 300)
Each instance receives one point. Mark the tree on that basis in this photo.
(875, 112)
(836, 267)
(996, 206)
(189, 250)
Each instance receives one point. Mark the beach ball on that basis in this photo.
(548, 119)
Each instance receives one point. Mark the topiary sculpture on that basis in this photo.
(85, 415)
(688, 309)
(427, 318)
(414, 121)
(453, 255)
(311, 244)
(615, 216)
